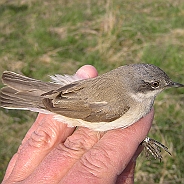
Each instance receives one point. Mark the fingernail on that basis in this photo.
(87, 71)
(82, 74)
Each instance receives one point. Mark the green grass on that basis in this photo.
(41, 38)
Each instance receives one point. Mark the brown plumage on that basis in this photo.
(75, 100)
(115, 99)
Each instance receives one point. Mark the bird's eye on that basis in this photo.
(155, 84)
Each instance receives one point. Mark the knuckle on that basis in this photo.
(43, 136)
(76, 144)
(81, 140)
(96, 161)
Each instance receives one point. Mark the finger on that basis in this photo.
(33, 136)
(87, 71)
(27, 136)
(110, 155)
(127, 176)
(10, 167)
(58, 162)
(61, 160)
(48, 134)
(33, 149)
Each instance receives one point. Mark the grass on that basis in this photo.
(41, 38)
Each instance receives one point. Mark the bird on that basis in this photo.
(116, 99)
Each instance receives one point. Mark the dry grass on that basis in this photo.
(60, 36)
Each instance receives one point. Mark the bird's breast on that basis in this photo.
(136, 112)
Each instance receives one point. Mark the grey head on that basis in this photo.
(146, 79)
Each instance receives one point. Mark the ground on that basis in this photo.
(41, 38)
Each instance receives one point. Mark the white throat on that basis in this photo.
(141, 97)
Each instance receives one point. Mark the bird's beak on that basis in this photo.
(175, 85)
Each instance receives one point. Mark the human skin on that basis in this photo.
(53, 153)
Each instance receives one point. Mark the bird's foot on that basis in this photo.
(153, 147)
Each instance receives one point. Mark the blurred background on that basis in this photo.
(41, 38)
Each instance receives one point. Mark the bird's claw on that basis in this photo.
(153, 147)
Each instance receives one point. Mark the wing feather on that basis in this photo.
(73, 101)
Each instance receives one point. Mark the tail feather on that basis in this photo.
(10, 98)
(22, 92)
(23, 83)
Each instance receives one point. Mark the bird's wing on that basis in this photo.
(71, 101)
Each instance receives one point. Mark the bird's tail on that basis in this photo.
(22, 92)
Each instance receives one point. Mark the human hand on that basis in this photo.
(53, 153)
